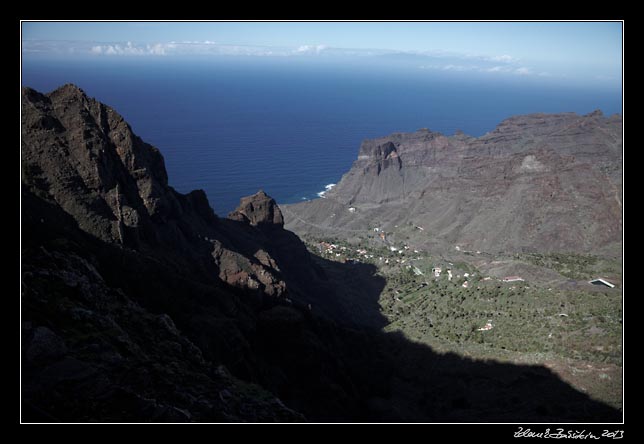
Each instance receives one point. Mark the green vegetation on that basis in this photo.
(575, 328)
(443, 314)
(573, 266)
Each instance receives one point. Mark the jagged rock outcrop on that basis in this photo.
(85, 157)
(258, 210)
(82, 155)
(100, 342)
(112, 256)
(83, 164)
(540, 182)
(257, 272)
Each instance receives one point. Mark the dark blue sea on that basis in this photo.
(234, 125)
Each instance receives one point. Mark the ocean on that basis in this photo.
(232, 126)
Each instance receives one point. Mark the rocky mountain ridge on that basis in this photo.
(539, 182)
(83, 156)
(101, 221)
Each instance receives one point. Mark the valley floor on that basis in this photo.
(461, 304)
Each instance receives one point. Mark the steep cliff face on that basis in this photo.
(112, 335)
(537, 182)
(83, 156)
(113, 256)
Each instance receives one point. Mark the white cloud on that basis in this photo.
(310, 49)
(185, 48)
(157, 49)
(496, 69)
(503, 64)
(130, 49)
(194, 42)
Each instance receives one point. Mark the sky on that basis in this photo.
(570, 51)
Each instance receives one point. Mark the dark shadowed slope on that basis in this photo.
(140, 304)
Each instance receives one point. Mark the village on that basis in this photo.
(452, 306)
(391, 258)
(411, 273)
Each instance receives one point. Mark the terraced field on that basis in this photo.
(574, 329)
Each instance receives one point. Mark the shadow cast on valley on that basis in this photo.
(329, 361)
(343, 367)
(395, 379)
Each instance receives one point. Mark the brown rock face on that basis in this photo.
(544, 182)
(256, 273)
(105, 233)
(81, 155)
(258, 210)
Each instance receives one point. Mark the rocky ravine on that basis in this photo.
(140, 304)
(81, 155)
(110, 249)
(540, 182)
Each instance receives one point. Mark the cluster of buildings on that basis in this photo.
(343, 253)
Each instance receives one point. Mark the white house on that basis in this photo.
(486, 327)
(602, 282)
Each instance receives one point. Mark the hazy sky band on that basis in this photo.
(572, 51)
